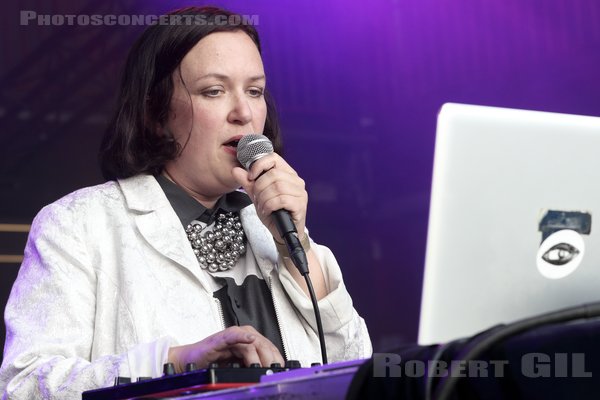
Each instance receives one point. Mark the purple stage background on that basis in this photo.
(358, 88)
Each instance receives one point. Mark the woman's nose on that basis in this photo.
(241, 113)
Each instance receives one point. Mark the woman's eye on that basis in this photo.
(256, 92)
(212, 92)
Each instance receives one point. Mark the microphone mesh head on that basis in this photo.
(252, 147)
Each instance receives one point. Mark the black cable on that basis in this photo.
(586, 311)
(299, 259)
(313, 298)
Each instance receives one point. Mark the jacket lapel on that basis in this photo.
(260, 240)
(158, 224)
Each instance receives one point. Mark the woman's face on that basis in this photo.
(217, 99)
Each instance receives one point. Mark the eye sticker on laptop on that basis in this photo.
(560, 254)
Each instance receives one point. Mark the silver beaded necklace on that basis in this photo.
(220, 248)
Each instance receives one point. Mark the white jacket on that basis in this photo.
(109, 282)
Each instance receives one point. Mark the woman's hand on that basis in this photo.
(242, 344)
(278, 187)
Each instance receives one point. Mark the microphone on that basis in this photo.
(249, 149)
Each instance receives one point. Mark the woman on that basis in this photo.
(117, 280)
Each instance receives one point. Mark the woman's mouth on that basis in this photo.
(231, 146)
(232, 143)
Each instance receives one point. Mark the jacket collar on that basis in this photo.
(142, 193)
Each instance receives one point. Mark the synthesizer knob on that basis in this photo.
(315, 364)
(292, 364)
(255, 365)
(275, 365)
(213, 365)
(190, 367)
(168, 369)
(122, 380)
(235, 365)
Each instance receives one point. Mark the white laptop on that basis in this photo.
(514, 224)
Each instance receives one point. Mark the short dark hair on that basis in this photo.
(132, 144)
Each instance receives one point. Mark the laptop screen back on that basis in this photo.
(511, 233)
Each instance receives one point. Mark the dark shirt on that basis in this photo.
(250, 303)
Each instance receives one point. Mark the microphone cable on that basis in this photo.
(313, 299)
